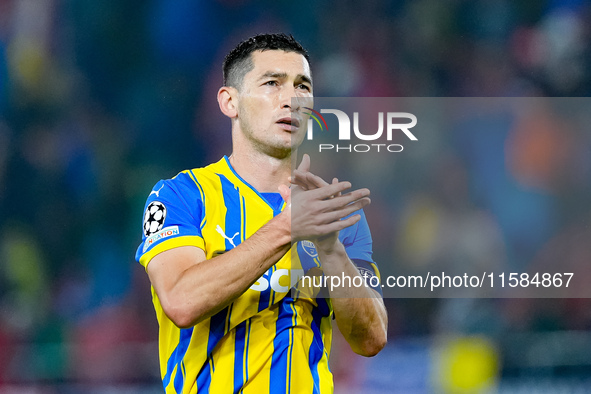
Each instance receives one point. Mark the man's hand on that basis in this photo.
(318, 208)
(360, 312)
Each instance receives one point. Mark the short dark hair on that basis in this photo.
(239, 61)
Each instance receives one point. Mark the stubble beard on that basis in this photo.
(274, 146)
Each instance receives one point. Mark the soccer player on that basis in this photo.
(217, 246)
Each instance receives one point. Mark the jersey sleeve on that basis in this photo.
(173, 217)
(359, 246)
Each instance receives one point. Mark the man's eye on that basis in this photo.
(305, 87)
(271, 83)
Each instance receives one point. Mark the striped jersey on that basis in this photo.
(271, 339)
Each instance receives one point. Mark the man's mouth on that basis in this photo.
(288, 123)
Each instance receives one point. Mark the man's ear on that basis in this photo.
(227, 100)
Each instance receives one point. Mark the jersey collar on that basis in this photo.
(229, 167)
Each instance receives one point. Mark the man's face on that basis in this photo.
(266, 115)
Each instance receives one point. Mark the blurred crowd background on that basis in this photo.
(101, 99)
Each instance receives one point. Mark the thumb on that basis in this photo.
(305, 163)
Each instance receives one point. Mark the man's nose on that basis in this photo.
(290, 99)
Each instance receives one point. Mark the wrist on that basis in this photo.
(280, 228)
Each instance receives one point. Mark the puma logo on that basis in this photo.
(157, 192)
(231, 240)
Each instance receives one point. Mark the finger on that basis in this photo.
(336, 180)
(307, 180)
(299, 176)
(315, 180)
(339, 225)
(341, 201)
(345, 199)
(299, 180)
(302, 176)
(305, 163)
(339, 214)
(323, 193)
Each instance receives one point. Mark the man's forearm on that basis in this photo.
(194, 288)
(359, 311)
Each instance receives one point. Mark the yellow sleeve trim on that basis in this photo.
(188, 240)
(376, 270)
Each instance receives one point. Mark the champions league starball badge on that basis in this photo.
(154, 218)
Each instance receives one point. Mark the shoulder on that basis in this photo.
(180, 186)
(189, 181)
(189, 189)
(199, 175)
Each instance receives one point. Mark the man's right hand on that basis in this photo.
(317, 208)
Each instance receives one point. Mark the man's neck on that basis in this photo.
(264, 173)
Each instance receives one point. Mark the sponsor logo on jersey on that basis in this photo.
(276, 281)
(164, 233)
